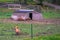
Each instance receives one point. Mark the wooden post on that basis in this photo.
(31, 31)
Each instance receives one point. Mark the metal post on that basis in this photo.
(31, 31)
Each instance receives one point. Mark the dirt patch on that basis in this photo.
(45, 21)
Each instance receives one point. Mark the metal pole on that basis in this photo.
(31, 31)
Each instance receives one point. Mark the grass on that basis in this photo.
(7, 32)
(40, 31)
(51, 37)
(49, 14)
(5, 13)
(6, 0)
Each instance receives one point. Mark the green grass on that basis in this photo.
(50, 14)
(6, 13)
(6, 0)
(7, 32)
(51, 37)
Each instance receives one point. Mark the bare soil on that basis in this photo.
(44, 21)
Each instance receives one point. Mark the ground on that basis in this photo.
(40, 28)
(47, 29)
(43, 21)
